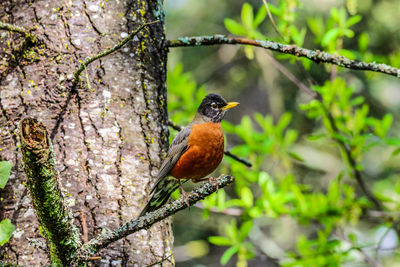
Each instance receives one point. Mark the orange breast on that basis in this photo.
(205, 152)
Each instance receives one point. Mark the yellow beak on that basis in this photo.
(230, 105)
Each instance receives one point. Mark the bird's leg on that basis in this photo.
(183, 192)
(208, 179)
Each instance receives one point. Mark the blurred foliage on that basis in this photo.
(5, 170)
(301, 196)
(6, 227)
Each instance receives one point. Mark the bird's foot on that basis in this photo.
(185, 195)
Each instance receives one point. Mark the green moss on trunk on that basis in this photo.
(55, 218)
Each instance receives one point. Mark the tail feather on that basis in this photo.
(160, 194)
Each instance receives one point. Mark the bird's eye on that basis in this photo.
(214, 105)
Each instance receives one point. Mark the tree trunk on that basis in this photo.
(108, 134)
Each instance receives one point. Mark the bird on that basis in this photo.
(195, 152)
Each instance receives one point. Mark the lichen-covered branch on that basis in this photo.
(144, 222)
(13, 28)
(314, 55)
(227, 152)
(8, 264)
(117, 46)
(55, 218)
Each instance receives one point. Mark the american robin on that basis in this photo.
(195, 152)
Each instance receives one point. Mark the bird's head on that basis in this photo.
(213, 107)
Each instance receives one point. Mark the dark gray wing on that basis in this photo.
(165, 185)
(178, 146)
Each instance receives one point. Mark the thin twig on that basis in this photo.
(174, 125)
(367, 258)
(299, 64)
(227, 211)
(13, 28)
(232, 156)
(88, 80)
(379, 244)
(291, 77)
(227, 152)
(272, 20)
(85, 231)
(160, 261)
(146, 221)
(314, 55)
(83, 65)
(89, 60)
(390, 215)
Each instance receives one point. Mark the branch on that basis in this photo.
(227, 211)
(117, 46)
(54, 216)
(146, 221)
(227, 152)
(8, 264)
(314, 55)
(13, 28)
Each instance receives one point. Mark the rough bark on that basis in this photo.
(108, 134)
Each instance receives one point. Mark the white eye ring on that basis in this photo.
(214, 105)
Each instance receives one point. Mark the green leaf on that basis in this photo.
(245, 230)
(5, 170)
(396, 152)
(275, 10)
(255, 212)
(348, 33)
(335, 14)
(330, 36)
(247, 15)
(6, 230)
(228, 254)
(295, 156)
(234, 27)
(316, 25)
(334, 192)
(363, 41)
(231, 231)
(219, 240)
(259, 36)
(357, 101)
(352, 237)
(221, 196)
(353, 20)
(247, 196)
(249, 52)
(260, 16)
(347, 53)
(342, 16)
(387, 121)
(315, 137)
(284, 121)
(393, 141)
(298, 35)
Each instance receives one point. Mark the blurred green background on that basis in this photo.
(299, 204)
